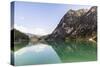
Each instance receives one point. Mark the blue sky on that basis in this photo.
(40, 18)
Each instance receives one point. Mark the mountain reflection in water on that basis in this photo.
(55, 52)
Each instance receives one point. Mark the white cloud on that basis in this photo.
(21, 28)
(36, 31)
(39, 31)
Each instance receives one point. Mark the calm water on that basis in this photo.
(54, 52)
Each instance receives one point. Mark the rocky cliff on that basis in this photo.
(80, 23)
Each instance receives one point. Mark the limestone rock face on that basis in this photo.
(79, 23)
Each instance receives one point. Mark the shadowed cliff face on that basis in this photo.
(75, 24)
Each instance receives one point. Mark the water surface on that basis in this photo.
(55, 52)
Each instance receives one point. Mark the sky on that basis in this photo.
(40, 18)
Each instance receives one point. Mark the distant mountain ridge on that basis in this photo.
(19, 36)
(80, 23)
(29, 34)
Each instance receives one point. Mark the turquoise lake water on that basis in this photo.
(54, 52)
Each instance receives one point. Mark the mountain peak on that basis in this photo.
(93, 9)
(77, 23)
(71, 12)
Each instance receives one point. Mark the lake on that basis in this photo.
(54, 52)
